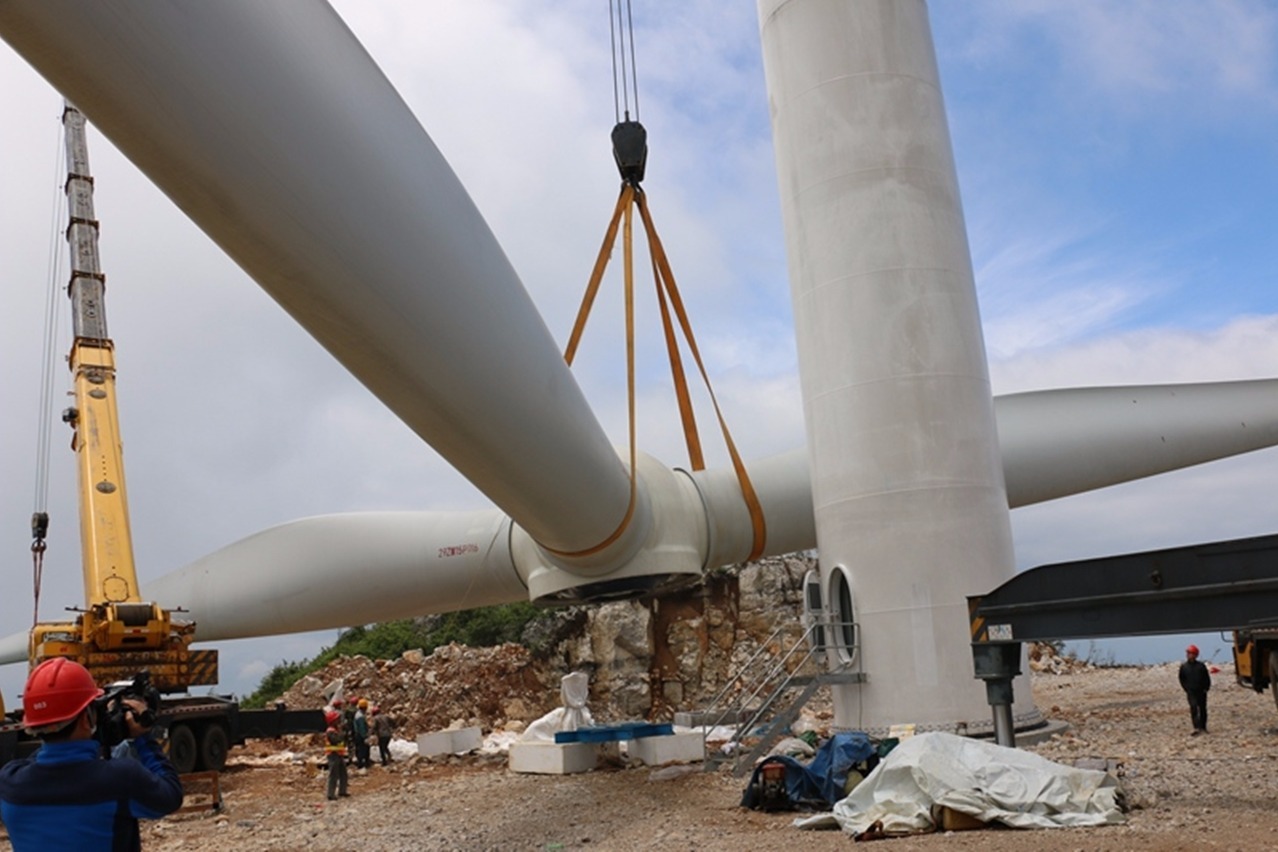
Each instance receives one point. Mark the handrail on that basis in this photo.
(745, 667)
(777, 668)
(781, 665)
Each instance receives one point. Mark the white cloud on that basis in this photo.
(1134, 51)
(1246, 348)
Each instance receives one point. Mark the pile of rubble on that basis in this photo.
(1045, 658)
(455, 686)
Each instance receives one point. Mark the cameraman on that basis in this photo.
(67, 796)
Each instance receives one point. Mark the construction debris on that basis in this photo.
(454, 687)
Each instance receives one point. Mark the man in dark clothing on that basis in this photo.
(348, 727)
(1195, 680)
(68, 796)
(383, 726)
(363, 751)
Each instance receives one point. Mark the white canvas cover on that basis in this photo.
(987, 781)
(574, 689)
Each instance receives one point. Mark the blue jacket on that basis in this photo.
(66, 797)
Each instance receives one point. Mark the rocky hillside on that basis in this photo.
(644, 659)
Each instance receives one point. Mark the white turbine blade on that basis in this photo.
(273, 129)
(1061, 442)
(340, 570)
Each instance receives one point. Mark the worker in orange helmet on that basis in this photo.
(68, 796)
(335, 754)
(1195, 680)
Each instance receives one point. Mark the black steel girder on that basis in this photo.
(1217, 586)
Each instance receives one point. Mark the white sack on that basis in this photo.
(574, 689)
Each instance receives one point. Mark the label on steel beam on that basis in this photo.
(1000, 633)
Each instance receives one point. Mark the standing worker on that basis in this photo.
(382, 726)
(363, 752)
(348, 722)
(335, 754)
(67, 796)
(1195, 680)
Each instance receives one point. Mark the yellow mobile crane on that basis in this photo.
(117, 634)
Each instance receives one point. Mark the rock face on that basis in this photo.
(648, 659)
(644, 659)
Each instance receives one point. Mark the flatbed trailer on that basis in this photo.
(200, 730)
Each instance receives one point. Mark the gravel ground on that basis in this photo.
(1209, 792)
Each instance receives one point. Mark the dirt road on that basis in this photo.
(1217, 791)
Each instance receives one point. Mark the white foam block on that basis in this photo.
(457, 741)
(552, 758)
(687, 747)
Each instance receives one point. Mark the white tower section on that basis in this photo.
(911, 511)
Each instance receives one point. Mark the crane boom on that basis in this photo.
(117, 633)
(106, 541)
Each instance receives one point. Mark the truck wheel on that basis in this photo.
(1273, 675)
(182, 751)
(214, 744)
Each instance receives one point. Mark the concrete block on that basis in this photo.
(686, 747)
(459, 741)
(552, 758)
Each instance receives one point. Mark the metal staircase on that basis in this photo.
(763, 699)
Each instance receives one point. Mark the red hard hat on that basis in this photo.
(1192, 649)
(337, 702)
(58, 690)
(331, 717)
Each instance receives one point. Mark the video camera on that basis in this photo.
(113, 727)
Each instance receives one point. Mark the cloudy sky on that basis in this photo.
(1119, 170)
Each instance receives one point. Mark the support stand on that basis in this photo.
(997, 663)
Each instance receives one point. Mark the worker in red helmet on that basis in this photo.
(1195, 680)
(335, 754)
(69, 795)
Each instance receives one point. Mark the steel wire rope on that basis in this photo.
(623, 33)
(44, 419)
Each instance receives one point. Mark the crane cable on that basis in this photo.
(44, 424)
(621, 36)
(630, 150)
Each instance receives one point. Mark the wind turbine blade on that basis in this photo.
(340, 570)
(273, 129)
(1061, 442)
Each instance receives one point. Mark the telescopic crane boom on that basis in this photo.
(117, 633)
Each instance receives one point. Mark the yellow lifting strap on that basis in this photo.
(667, 298)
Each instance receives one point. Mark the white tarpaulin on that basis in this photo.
(987, 781)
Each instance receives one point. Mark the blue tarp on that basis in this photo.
(818, 784)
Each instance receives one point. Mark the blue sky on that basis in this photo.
(1119, 170)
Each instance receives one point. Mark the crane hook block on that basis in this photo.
(630, 150)
(39, 526)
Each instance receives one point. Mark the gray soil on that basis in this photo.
(1216, 791)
